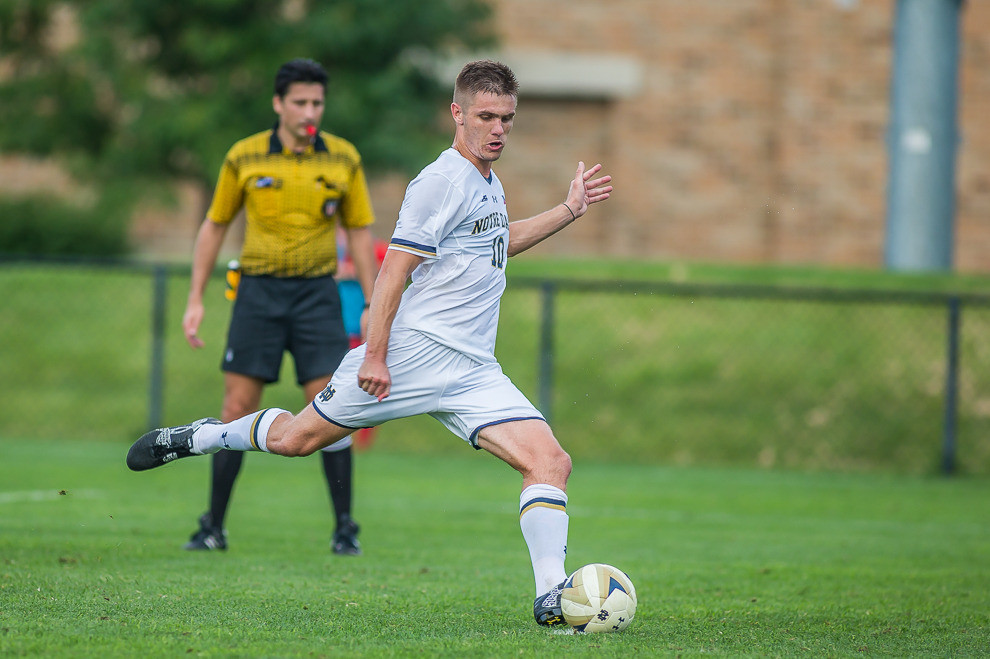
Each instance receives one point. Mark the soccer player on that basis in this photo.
(430, 347)
(296, 185)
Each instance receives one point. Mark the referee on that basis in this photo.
(295, 184)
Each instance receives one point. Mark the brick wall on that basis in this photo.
(973, 173)
(759, 133)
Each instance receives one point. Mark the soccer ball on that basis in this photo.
(598, 598)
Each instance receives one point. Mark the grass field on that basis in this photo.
(726, 562)
(853, 551)
(670, 379)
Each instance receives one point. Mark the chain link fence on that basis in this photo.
(797, 378)
(668, 373)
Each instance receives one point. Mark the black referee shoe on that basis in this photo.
(209, 536)
(345, 540)
(164, 445)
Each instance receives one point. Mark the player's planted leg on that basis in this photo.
(543, 520)
(530, 447)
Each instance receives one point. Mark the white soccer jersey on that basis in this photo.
(455, 218)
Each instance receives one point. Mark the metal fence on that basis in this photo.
(775, 376)
(675, 373)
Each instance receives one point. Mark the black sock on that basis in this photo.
(337, 467)
(226, 466)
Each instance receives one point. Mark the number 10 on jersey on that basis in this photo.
(498, 253)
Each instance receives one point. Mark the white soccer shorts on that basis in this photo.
(427, 378)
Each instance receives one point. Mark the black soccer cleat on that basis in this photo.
(209, 536)
(546, 608)
(164, 445)
(345, 540)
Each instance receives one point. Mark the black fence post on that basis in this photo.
(951, 389)
(545, 369)
(156, 386)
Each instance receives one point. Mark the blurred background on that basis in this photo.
(820, 167)
(752, 131)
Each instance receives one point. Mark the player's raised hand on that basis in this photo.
(586, 190)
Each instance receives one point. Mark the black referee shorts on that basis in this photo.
(273, 315)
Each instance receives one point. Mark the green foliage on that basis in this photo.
(731, 563)
(53, 112)
(162, 88)
(45, 225)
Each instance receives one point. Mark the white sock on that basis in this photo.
(543, 519)
(249, 433)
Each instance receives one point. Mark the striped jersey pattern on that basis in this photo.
(292, 202)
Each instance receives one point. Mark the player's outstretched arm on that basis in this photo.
(373, 376)
(584, 190)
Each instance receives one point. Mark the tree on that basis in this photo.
(159, 89)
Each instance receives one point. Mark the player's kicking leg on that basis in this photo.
(530, 447)
(271, 430)
(163, 445)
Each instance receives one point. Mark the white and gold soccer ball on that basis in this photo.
(598, 598)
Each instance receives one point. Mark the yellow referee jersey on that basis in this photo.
(292, 202)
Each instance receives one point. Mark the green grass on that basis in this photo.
(673, 380)
(727, 562)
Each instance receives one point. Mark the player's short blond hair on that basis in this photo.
(484, 76)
